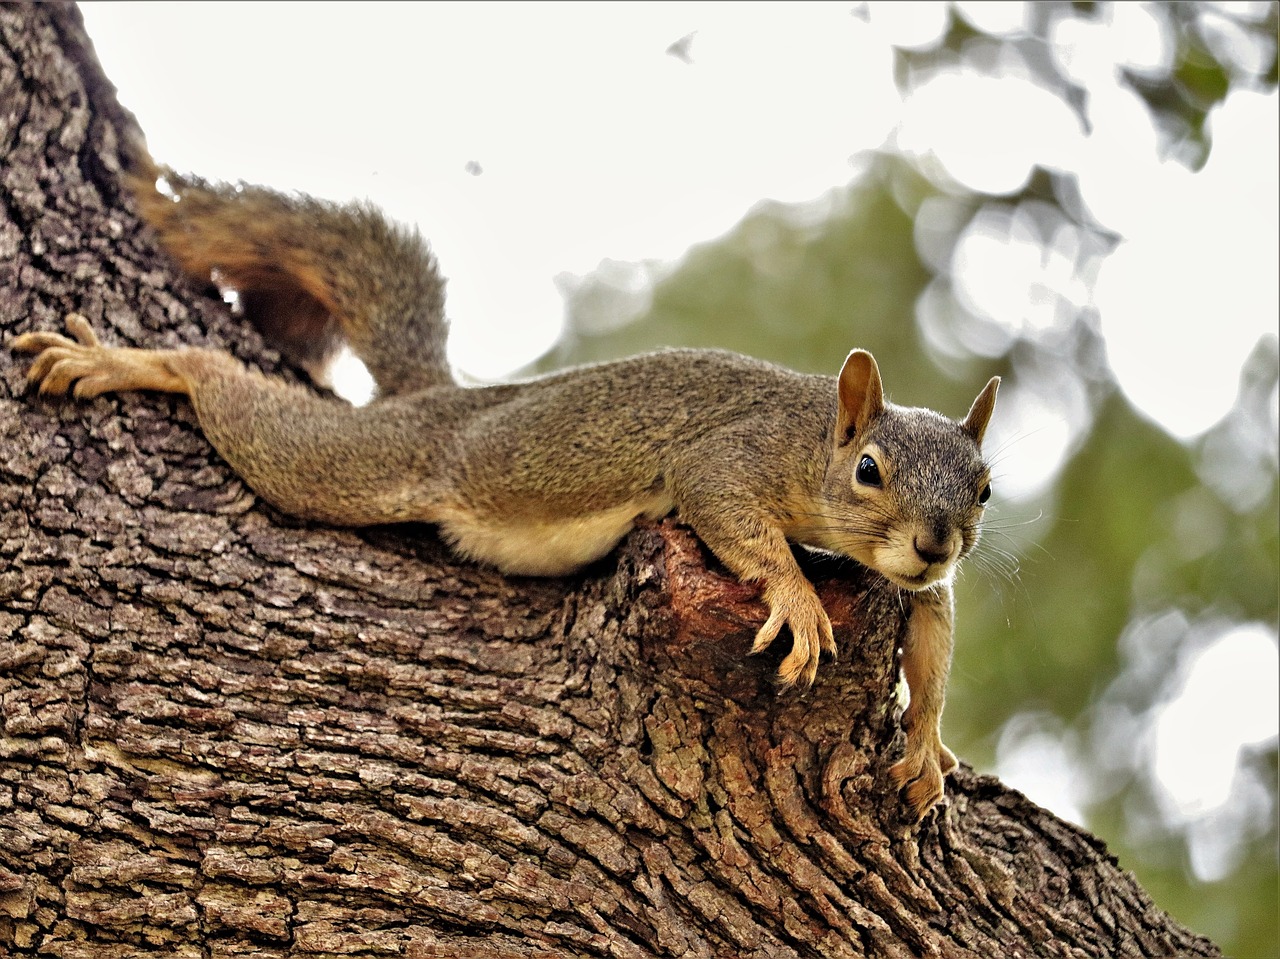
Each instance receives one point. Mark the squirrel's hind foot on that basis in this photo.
(84, 367)
(920, 775)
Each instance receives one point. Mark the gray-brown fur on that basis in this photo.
(288, 254)
(546, 475)
(940, 474)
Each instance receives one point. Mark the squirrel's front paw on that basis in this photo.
(920, 773)
(798, 606)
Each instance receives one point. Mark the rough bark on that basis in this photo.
(226, 732)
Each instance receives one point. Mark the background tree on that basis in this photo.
(225, 732)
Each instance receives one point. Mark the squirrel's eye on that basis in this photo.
(867, 473)
(985, 494)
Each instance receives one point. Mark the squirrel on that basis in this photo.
(544, 476)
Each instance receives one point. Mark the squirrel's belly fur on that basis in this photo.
(546, 547)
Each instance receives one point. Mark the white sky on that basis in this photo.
(593, 142)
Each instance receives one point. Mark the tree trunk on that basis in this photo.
(228, 732)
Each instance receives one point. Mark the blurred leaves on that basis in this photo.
(785, 283)
(1133, 524)
(1216, 46)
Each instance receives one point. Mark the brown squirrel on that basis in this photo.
(544, 476)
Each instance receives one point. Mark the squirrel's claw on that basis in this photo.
(919, 776)
(61, 362)
(811, 635)
(39, 340)
(85, 368)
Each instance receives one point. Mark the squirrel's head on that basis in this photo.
(906, 487)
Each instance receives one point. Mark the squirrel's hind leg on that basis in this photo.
(310, 456)
(85, 367)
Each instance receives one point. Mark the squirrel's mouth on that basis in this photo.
(899, 559)
(931, 574)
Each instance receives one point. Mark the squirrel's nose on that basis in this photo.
(931, 550)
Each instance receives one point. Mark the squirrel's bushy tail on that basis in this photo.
(302, 265)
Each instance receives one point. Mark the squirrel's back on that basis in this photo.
(543, 475)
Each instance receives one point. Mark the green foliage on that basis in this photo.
(784, 284)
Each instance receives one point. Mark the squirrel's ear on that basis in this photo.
(860, 396)
(975, 424)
